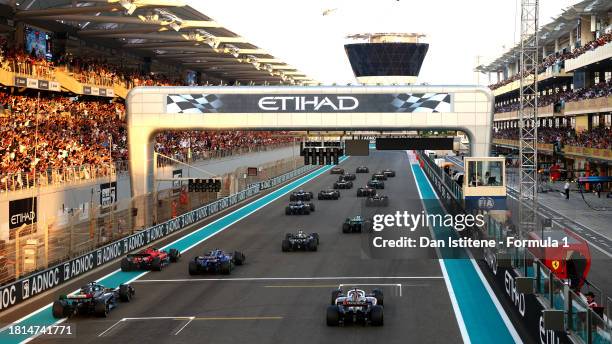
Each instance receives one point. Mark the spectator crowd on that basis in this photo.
(600, 137)
(559, 58)
(77, 131)
(602, 89)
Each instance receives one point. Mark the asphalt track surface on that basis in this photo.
(281, 297)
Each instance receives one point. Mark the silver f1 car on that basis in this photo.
(299, 208)
(300, 241)
(355, 306)
(329, 194)
(343, 184)
(93, 298)
(377, 201)
(300, 195)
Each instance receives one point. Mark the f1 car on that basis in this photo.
(343, 184)
(362, 169)
(389, 173)
(299, 208)
(354, 224)
(348, 176)
(356, 307)
(377, 200)
(376, 184)
(329, 194)
(300, 195)
(150, 259)
(93, 298)
(336, 170)
(366, 192)
(379, 176)
(300, 241)
(216, 261)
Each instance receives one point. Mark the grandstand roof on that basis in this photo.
(166, 30)
(560, 26)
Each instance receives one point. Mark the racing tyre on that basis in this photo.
(226, 268)
(337, 196)
(288, 236)
(316, 236)
(380, 298)
(126, 265)
(60, 309)
(335, 294)
(239, 258)
(335, 185)
(376, 316)
(320, 197)
(193, 268)
(125, 294)
(346, 228)
(287, 211)
(333, 316)
(286, 246)
(101, 309)
(312, 207)
(359, 193)
(312, 245)
(156, 264)
(174, 255)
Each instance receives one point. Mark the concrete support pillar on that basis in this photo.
(572, 39)
(586, 35)
(556, 45)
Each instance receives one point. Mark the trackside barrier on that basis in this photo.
(583, 325)
(30, 286)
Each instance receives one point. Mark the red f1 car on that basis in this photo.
(150, 259)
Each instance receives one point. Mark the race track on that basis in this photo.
(281, 297)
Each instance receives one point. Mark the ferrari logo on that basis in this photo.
(555, 264)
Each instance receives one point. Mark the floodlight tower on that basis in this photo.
(528, 115)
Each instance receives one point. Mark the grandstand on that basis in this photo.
(575, 88)
(66, 68)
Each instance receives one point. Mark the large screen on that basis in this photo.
(38, 42)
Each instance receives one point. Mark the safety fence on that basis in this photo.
(32, 249)
(586, 324)
(83, 173)
(583, 324)
(35, 69)
(57, 176)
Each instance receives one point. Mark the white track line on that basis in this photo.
(182, 237)
(449, 286)
(110, 328)
(250, 279)
(485, 283)
(189, 322)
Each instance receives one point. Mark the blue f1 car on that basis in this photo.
(216, 261)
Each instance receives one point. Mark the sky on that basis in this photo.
(459, 33)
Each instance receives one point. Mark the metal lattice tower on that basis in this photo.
(528, 114)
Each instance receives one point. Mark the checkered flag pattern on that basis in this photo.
(422, 102)
(193, 103)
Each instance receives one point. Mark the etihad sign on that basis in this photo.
(306, 103)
